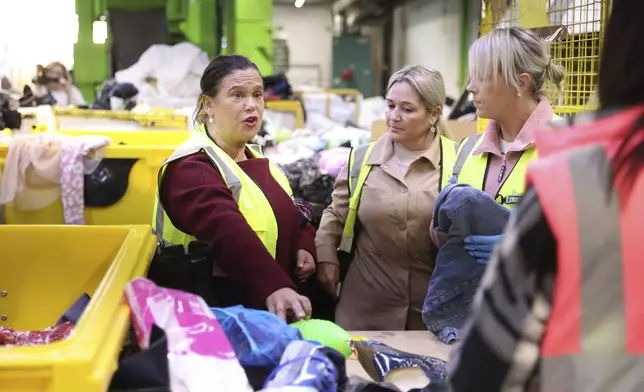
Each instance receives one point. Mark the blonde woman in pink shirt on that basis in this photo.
(511, 76)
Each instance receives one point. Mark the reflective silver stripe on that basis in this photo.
(600, 373)
(359, 154)
(260, 150)
(158, 228)
(603, 363)
(468, 146)
(257, 148)
(233, 181)
(455, 146)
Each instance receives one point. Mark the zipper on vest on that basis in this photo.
(501, 173)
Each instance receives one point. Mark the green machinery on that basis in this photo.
(216, 26)
(352, 63)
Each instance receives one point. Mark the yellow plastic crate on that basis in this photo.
(44, 270)
(294, 107)
(150, 148)
(75, 119)
(343, 92)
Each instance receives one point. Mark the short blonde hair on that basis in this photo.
(429, 84)
(510, 51)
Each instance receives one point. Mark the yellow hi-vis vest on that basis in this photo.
(252, 202)
(359, 170)
(472, 170)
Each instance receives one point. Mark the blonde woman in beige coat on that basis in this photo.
(387, 280)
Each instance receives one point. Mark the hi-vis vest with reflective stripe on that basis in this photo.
(594, 339)
(250, 198)
(472, 170)
(359, 170)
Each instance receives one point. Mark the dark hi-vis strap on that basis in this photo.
(464, 152)
(591, 339)
(356, 162)
(357, 175)
(257, 148)
(231, 179)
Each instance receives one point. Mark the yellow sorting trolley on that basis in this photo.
(143, 151)
(44, 270)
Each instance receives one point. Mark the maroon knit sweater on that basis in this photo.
(200, 203)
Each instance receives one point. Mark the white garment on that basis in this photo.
(503, 145)
(73, 98)
(177, 70)
(405, 157)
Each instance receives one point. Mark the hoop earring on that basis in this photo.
(432, 129)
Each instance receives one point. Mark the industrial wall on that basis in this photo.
(432, 34)
(309, 33)
(425, 32)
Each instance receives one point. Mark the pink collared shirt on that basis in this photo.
(491, 143)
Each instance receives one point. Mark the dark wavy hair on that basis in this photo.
(621, 79)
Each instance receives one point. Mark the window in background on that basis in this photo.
(36, 32)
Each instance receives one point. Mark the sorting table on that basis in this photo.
(416, 342)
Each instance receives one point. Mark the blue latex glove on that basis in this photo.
(481, 246)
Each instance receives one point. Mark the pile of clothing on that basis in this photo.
(312, 158)
(185, 346)
(10, 337)
(9, 118)
(312, 178)
(60, 331)
(45, 167)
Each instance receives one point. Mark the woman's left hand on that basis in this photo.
(481, 246)
(305, 264)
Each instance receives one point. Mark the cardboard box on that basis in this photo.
(459, 130)
(456, 130)
(378, 128)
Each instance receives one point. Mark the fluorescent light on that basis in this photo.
(99, 32)
(299, 3)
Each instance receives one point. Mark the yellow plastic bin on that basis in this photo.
(158, 119)
(149, 148)
(44, 270)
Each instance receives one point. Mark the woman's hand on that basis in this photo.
(329, 276)
(481, 246)
(305, 264)
(284, 299)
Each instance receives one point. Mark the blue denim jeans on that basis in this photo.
(460, 211)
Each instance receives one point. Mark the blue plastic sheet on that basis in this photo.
(259, 338)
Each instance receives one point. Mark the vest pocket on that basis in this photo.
(257, 221)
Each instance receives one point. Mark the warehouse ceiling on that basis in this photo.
(340, 6)
(355, 13)
(358, 13)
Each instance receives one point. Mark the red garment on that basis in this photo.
(10, 337)
(597, 318)
(200, 203)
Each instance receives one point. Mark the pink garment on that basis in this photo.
(539, 119)
(74, 164)
(332, 161)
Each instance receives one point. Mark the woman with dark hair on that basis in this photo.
(560, 306)
(218, 189)
(58, 82)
